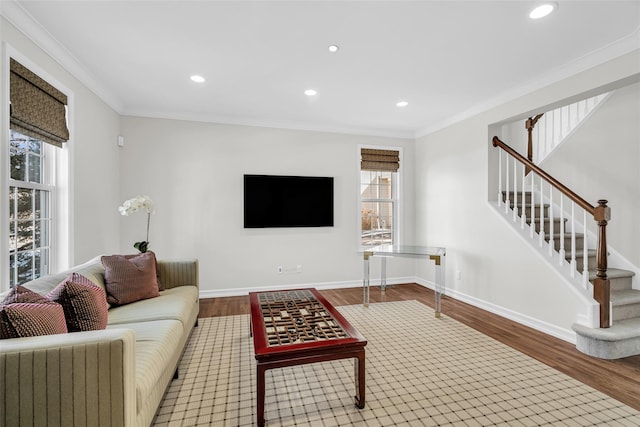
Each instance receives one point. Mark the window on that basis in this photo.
(379, 196)
(38, 184)
(30, 194)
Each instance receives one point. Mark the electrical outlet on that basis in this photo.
(279, 269)
(458, 274)
(299, 269)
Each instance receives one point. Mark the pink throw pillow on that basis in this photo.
(24, 313)
(84, 304)
(130, 278)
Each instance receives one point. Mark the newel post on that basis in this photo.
(601, 286)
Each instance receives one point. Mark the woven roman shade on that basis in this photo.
(37, 108)
(379, 160)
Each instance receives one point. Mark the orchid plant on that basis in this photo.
(133, 205)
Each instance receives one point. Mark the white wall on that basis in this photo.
(94, 129)
(498, 270)
(194, 173)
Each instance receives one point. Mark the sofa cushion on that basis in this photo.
(175, 303)
(158, 349)
(130, 279)
(84, 304)
(24, 313)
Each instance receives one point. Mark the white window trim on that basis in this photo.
(397, 189)
(62, 237)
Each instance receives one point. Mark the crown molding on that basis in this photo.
(598, 57)
(14, 13)
(275, 124)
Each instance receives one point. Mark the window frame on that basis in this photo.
(396, 199)
(61, 203)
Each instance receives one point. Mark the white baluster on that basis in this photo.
(573, 115)
(515, 190)
(541, 234)
(550, 133)
(551, 240)
(540, 142)
(532, 225)
(524, 212)
(506, 175)
(561, 252)
(573, 239)
(585, 253)
(499, 177)
(557, 127)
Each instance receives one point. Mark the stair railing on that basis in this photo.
(600, 213)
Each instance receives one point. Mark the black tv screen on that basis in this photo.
(272, 201)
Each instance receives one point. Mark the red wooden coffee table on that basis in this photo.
(297, 327)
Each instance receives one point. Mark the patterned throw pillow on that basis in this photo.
(160, 285)
(24, 313)
(130, 279)
(84, 304)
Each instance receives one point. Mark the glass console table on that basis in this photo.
(385, 251)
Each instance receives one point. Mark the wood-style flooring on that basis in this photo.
(619, 379)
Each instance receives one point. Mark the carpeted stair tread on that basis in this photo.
(613, 273)
(622, 330)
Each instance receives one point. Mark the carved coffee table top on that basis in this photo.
(297, 320)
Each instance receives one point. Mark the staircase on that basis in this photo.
(622, 338)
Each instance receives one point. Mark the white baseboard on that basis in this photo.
(561, 333)
(233, 292)
(555, 331)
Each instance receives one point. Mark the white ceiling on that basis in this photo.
(448, 59)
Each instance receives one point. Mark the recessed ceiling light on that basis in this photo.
(197, 79)
(310, 92)
(402, 104)
(334, 48)
(542, 10)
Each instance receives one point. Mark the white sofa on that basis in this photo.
(111, 377)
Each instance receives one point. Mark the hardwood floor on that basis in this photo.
(617, 378)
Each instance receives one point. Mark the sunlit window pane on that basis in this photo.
(18, 160)
(25, 205)
(34, 168)
(25, 266)
(377, 223)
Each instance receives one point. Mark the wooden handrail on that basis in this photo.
(601, 214)
(551, 180)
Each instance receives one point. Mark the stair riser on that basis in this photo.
(527, 197)
(567, 245)
(547, 226)
(627, 311)
(527, 210)
(608, 349)
(591, 262)
(621, 284)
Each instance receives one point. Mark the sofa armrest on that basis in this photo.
(178, 272)
(74, 379)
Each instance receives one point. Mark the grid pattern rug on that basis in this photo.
(420, 371)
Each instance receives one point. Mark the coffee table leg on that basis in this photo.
(260, 381)
(359, 375)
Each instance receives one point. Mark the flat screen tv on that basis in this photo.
(276, 201)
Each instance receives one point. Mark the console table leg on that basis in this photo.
(261, 390)
(365, 284)
(359, 375)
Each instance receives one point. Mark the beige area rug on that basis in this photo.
(420, 371)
